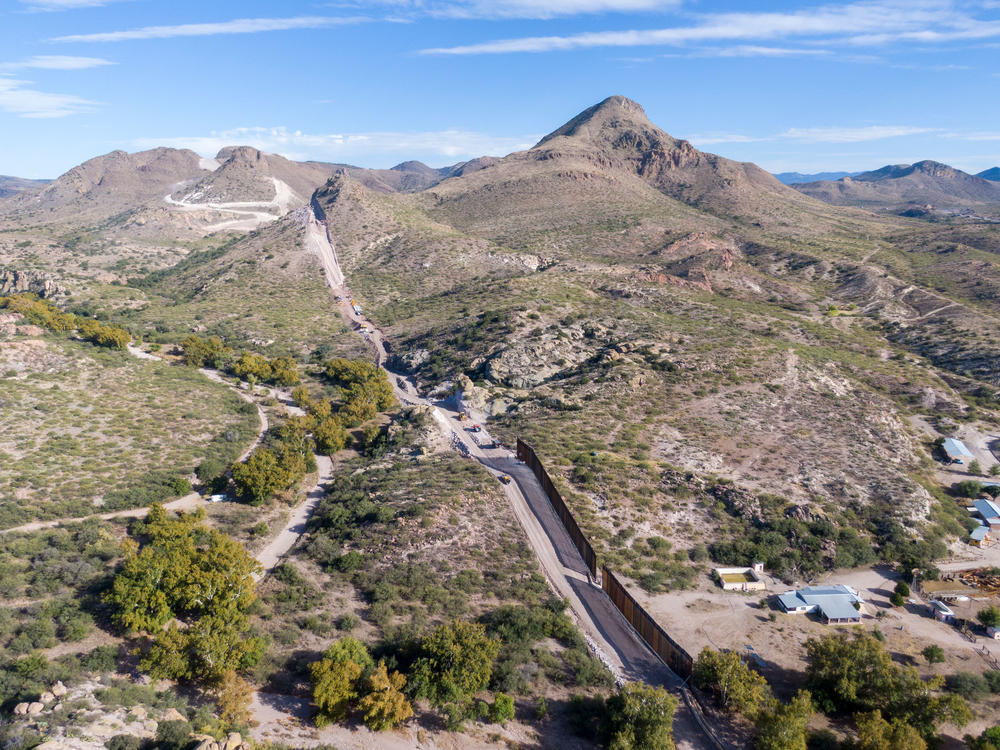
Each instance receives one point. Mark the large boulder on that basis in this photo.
(58, 690)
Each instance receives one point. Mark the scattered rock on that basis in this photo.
(35, 708)
(46, 698)
(21, 709)
(172, 714)
(58, 690)
(233, 741)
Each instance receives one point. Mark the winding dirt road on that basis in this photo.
(614, 640)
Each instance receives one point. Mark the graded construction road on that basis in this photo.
(626, 654)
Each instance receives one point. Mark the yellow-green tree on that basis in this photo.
(232, 699)
(875, 733)
(330, 435)
(738, 687)
(337, 679)
(384, 706)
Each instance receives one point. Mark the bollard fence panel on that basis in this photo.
(662, 644)
(527, 454)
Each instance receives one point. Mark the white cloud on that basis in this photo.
(17, 98)
(851, 135)
(56, 62)
(832, 134)
(514, 8)
(368, 148)
(237, 26)
(915, 21)
(750, 50)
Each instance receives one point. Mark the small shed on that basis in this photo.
(956, 451)
(980, 536)
(992, 632)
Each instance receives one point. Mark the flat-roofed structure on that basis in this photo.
(740, 579)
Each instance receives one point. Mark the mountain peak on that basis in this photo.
(615, 113)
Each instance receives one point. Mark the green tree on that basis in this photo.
(737, 686)
(968, 488)
(502, 709)
(385, 706)
(896, 599)
(337, 679)
(856, 674)
(875, 733)
(640, 717)
(782, 726)
(975, 468)
(934, 654)
(902, 588)
(995, 470)
(988, 740)
(259, 477)
(195, 576)
(456, 660)
(989, 617)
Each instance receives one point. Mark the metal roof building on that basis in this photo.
(832, 603)
(956, 451)
(988, 510)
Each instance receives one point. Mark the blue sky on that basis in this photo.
(789, 85)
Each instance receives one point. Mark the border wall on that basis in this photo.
(662, 644)
(527, 454)
(656, 638)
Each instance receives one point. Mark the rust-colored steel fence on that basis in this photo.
(527, 454)
(662, 644)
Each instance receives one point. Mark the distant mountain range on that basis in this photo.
(793, 178)
(903, 186)
(11, 185)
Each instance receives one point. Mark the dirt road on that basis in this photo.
(608, 632)
(254, 213)
(295, 527)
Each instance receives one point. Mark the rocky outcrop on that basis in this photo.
(13, 281)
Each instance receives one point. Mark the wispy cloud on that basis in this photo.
(851, 135)
(237, 26)
(366, 148)
(512, 8)
(830, 134)
(18, 98)
(751, 50)
(55, 62)
(924, 21)
(51, 5)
